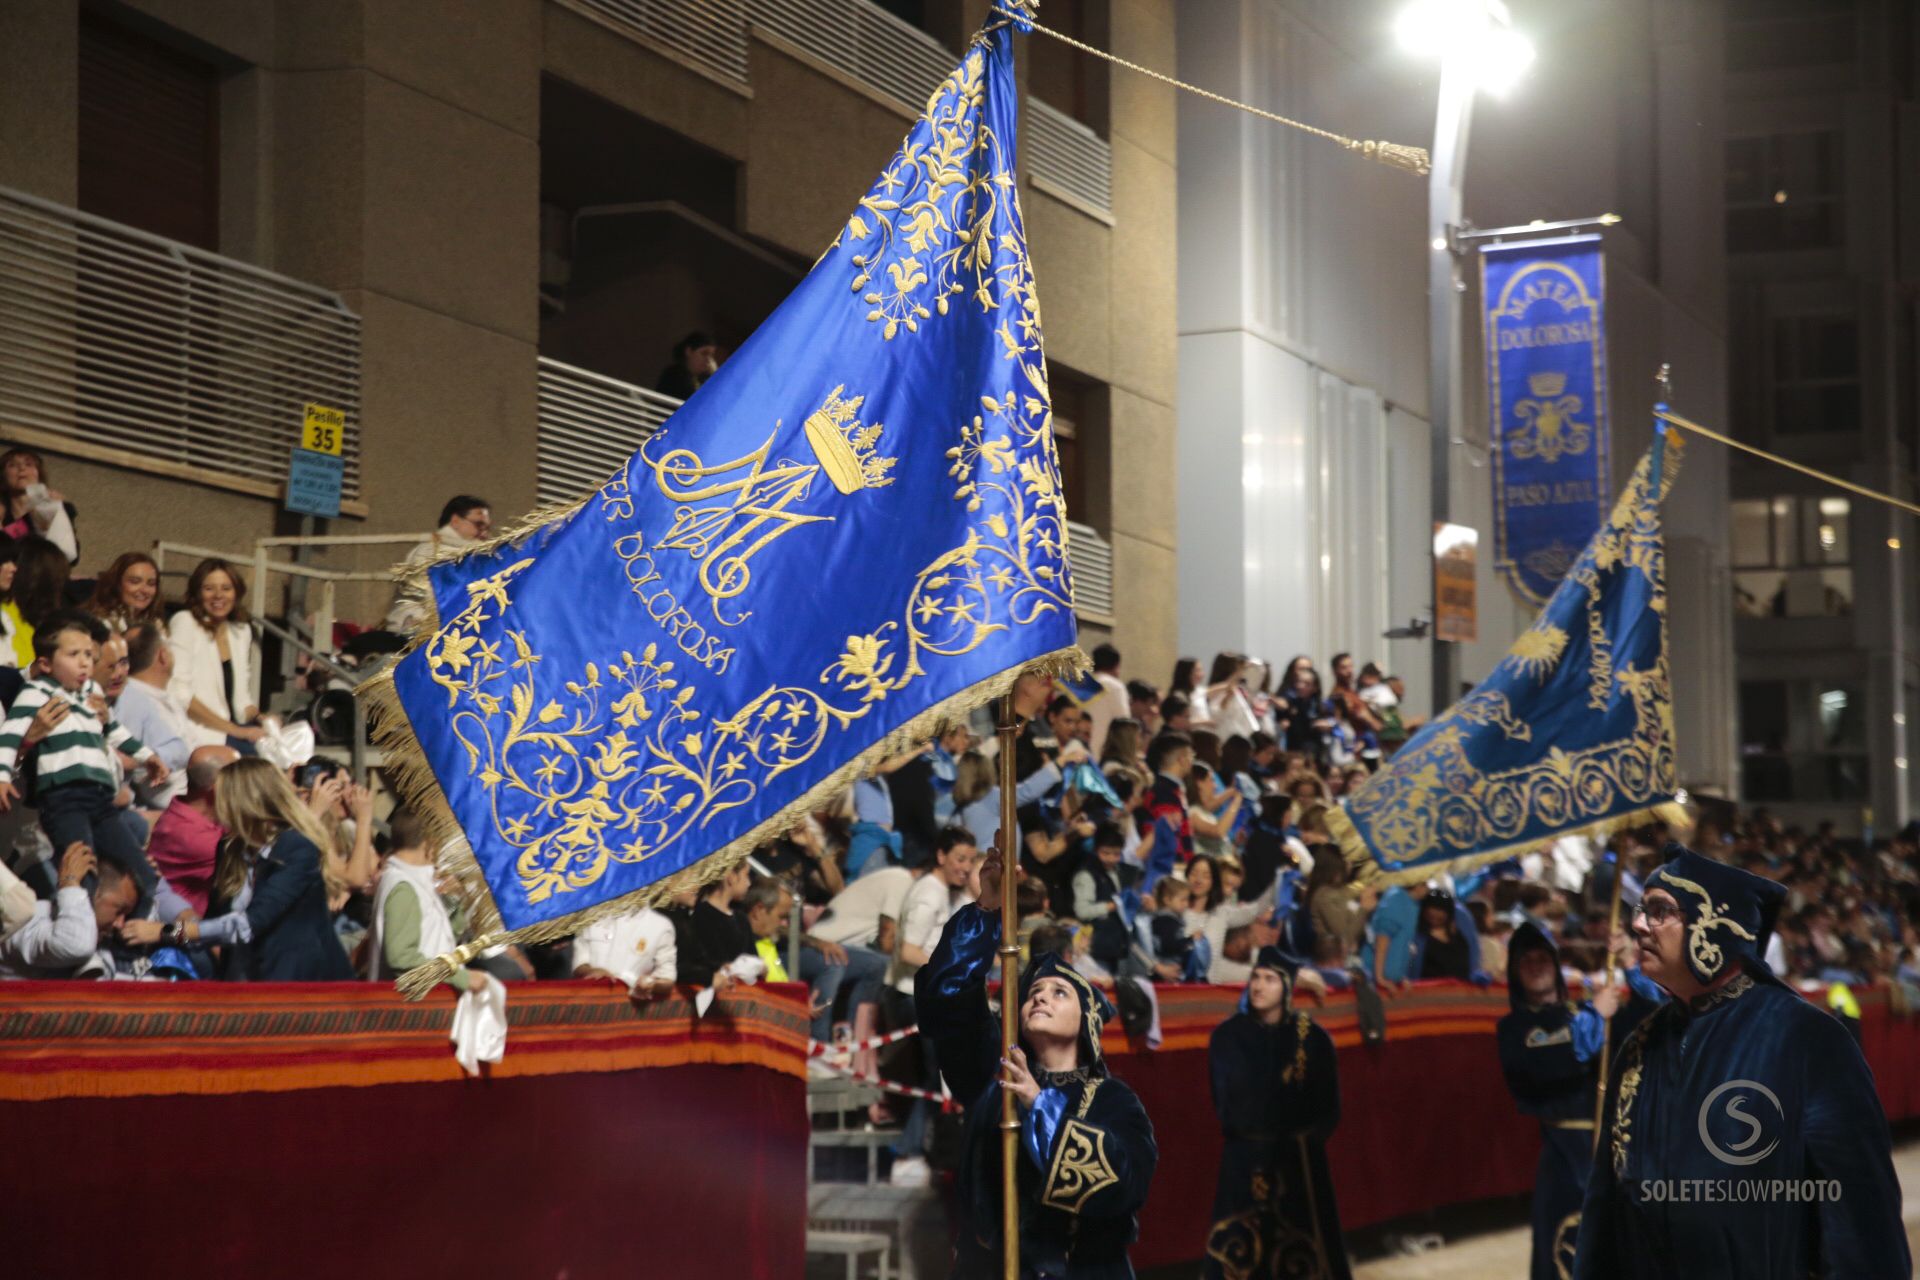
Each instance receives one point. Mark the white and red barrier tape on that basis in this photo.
(891, 1086)
(843, 1052)
(821, 1048)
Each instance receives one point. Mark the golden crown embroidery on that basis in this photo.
(612, 749)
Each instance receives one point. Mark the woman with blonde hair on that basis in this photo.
(271, 882)
(345, 812)
(1125, 753)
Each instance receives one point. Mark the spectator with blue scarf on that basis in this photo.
(952, 743)
(872, 843)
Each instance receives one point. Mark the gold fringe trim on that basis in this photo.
(389, 728)
(1366, 870)
(413, 778)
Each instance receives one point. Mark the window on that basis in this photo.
(1070, 409)
(1063, 77)
(1802, 740)
(1791, 556)
(1784, 192)
(149, 135)
(1816, 375)
(913, 11)
(1774, 35)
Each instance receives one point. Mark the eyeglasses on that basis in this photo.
(1659, 912)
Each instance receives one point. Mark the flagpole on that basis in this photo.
(1663, 379)
(1606, 1024)
(1008, 732)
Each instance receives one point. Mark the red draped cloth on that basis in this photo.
(325, 1130)
(296, 1131)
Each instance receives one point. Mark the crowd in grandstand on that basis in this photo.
(1166, 834)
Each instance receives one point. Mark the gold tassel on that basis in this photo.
(1395, 155)
(419, 980)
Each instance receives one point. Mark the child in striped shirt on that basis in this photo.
(73, 769)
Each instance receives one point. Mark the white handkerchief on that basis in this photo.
(480, 1027)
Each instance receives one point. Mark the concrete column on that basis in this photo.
(406, 174)
(1143, 337)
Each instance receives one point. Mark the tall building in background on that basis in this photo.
(1304, 430)
(480, 227)
(1822, 232)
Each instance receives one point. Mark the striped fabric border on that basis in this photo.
(1188, 1015)
(74, 1039)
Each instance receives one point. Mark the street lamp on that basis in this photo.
(1478, 49)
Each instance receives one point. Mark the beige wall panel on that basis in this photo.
(630, 75)
(39, 98)
(445, 408)
(453, 213)
(1148, 595)
(1144, 110)
(243, 28)
(1143, 472)
(1144, 273)
(319, 178)
(320, 34)
(1071, 253)
(813, 151)
(123, 510)
(482, 56)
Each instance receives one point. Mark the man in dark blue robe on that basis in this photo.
(1742, 1138)
(1087, 1149)
(1276, 1086)
(1550, 1055)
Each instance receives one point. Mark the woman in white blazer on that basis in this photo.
(213, 675)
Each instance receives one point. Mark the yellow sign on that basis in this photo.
(325, 430)
(1455, 604)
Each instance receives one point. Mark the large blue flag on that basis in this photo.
(854, 530)
(1573, 731)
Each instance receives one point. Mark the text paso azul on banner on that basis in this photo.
(1545, 304)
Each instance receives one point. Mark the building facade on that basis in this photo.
(478, 228)
(1822, 226)
(1305, 443)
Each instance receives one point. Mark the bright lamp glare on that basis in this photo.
(1430, 27)
(1473, 30)
(1501, 58)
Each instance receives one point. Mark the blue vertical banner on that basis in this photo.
(1545, 303)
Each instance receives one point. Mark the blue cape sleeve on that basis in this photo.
(950, 997)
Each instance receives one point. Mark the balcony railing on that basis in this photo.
(590, 424)
(131, 349)
(860, 40)
(711, 35)
(1069, 159)
(871, 47)
(1090, 556)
